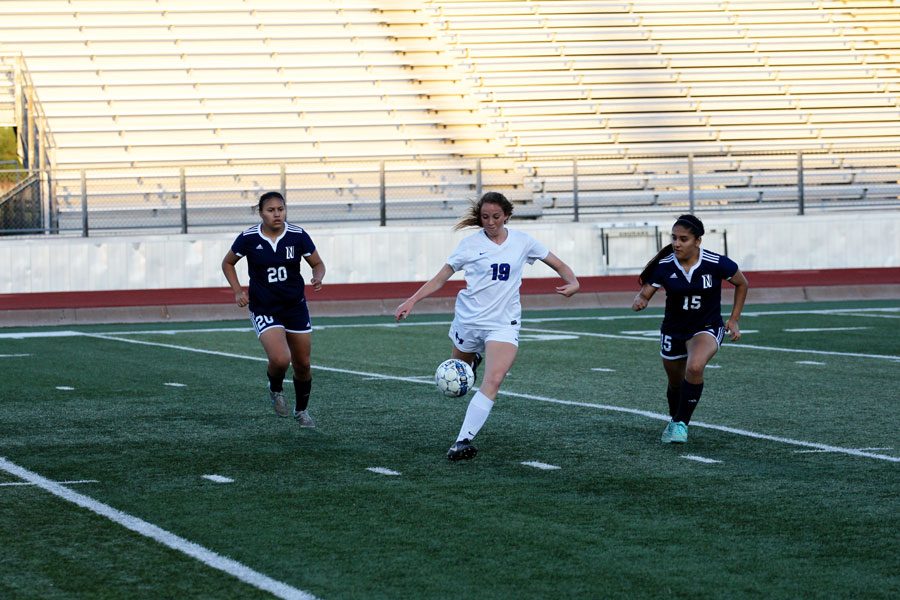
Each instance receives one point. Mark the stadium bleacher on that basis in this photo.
(153, 84)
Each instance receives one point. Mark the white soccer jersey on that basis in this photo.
(493, 278)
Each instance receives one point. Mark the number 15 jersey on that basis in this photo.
(493, 278)
(274, 267)
(693, 298)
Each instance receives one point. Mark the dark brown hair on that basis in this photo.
(269, 196)
(473, 217)
(689, 222)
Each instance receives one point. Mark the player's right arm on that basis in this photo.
(430, 287)
(240, 295)
(643, 297)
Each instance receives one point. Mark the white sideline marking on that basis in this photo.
(809, 362)
(817, 451)
(603, 370)
(65, 388)
(60, 482)
(173, 384)
(382, 471)
(540, 465)
(818, 329)
(733, 345)
(621, 409)
(37, 334)
(13, 355)
(218, 478)
(207, 557)
(701, 459)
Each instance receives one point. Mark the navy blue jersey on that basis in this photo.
(274, 267)
(693, 298)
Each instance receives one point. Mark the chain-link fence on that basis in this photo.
(208, 198)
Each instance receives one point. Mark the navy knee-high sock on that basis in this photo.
(302, 389)
(673, 395)
(690, 396)
(276, 383)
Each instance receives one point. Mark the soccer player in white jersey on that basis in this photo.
(488, 312)
(277, 301)
(692, 328)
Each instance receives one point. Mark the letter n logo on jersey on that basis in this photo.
(707, 281)
(289, 250)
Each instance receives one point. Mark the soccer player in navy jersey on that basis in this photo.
(277, 303)
(692, 328)
(488, 311)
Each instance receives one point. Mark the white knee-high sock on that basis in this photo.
(476, 415)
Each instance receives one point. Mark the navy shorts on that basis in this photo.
(292, 320)
(673, 346)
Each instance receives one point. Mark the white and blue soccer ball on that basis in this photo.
(454, 378)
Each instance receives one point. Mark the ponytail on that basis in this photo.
(651, 266)
(472, 217)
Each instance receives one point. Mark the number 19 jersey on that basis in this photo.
(274, 267)
(493, 277)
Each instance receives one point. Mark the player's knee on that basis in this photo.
(302, 370)
(694, 371)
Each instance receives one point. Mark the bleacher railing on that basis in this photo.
(222, 197)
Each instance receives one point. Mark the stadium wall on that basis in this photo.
(166, 277)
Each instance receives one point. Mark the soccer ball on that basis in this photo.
(454, 378)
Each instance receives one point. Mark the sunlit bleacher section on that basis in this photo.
(157, 83)
(646, 83)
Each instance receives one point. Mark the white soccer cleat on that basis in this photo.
(304, 419)
(278, 403)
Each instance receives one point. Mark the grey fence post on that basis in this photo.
(575, 188)
(691, 182)
(801, 187)
(382, 194)
(478, 184)
(84, 205)
(183, 192)
(283, 181)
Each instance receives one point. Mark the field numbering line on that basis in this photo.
(621, 409)
(167, 538)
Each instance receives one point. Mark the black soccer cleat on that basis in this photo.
(461, 450)
(475, 363)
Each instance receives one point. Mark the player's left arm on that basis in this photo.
(741, 285)
(565, 272)
(318, 269)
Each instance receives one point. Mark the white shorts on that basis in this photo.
(473, 340)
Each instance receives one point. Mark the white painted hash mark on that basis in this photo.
(603, 370)
(166, 538)
(540, 465)
(218, 478)
(701, 459)
(13, 355)
(173, 384)
(61, 482)
(831, 451)
(382, 471)
(809, 362)
(65, 388)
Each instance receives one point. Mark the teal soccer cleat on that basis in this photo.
(675, 432)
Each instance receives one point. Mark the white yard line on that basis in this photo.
(824, 329)
(218, 478)
(207, 557)
(633, 411)
(16, 483)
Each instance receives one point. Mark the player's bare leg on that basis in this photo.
(499, 358)
(301, 348)
(274, 342)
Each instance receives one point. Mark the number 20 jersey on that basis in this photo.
(493, 278)
(274, 267)
(693, 298)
